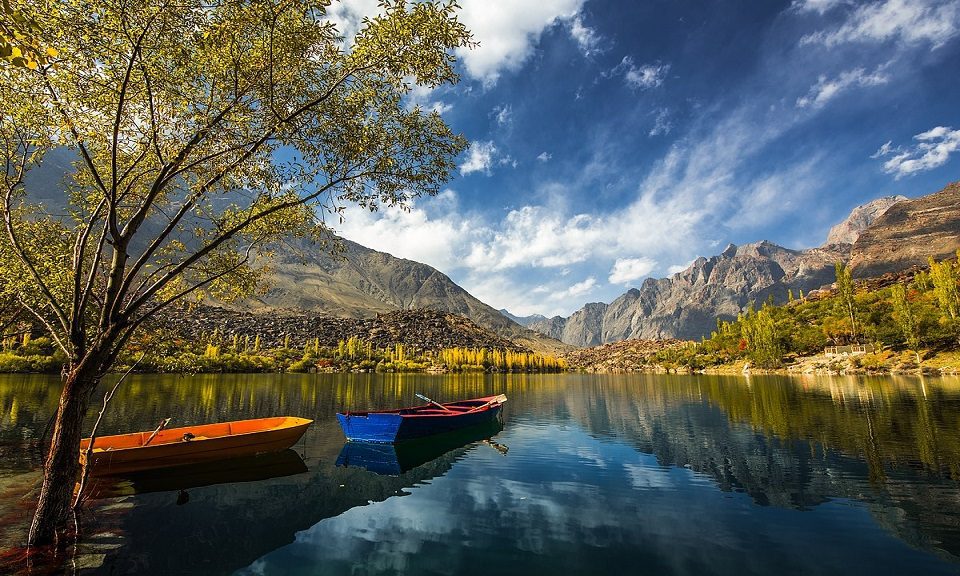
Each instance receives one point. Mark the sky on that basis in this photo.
(615, 141)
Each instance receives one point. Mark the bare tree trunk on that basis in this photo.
(62, 464)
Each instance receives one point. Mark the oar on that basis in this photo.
(422, 397)
(498, 400)
(163, 424)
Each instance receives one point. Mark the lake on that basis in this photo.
(636, 474)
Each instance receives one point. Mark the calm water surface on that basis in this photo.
(645, 474)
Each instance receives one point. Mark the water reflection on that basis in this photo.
(395, 459)
(674, 474)
(182, 478)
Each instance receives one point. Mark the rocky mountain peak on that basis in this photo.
(860, 219)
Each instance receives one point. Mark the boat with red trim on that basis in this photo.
(389, 426)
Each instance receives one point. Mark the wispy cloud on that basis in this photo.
(626, 270)
(503, 114)
(818, 6)
(586, 37)
(909, 21)
(661, 123)
(544, 156)
(480, 157)
(642, 77)
(577, 290)
(827, 89)
(932, 150)
(776, 195)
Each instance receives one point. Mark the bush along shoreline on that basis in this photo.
(215, 353)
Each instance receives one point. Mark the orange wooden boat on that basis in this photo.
(191, 444)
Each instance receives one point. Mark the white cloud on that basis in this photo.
(931, 22)
(480, 157)
(678, 268)
(544, 156)
(586, 37)
(422, 96)
(626, 270)
(661, 124)
(578, 290)
(503, 114)
(412, 234)
(642, 77)
(538, 237)
(932, 150)
(508, 32)
(348, 15)
(827, 89)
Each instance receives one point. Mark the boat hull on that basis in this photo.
(127, 453)
(387, 427)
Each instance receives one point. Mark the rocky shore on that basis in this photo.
(623, 356)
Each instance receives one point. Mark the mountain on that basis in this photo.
(523, 320)
(886, 235)
(909, 233)
(358, 282)
(687, 304)
(860, 219)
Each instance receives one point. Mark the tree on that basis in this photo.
(846, 292)
(906, 319)
(944, 277)
(203, 132)
(759, 331)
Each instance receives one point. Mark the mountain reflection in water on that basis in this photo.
(663, 474)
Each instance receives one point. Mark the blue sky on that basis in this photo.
(612, 141)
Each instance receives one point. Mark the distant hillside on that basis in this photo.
(886, 235)
(909, 233)
(523, 320)
(360, 283)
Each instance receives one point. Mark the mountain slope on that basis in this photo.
(359, 283)
(909, 233)
(860, 219)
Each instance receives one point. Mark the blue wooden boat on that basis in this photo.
(389, 426)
